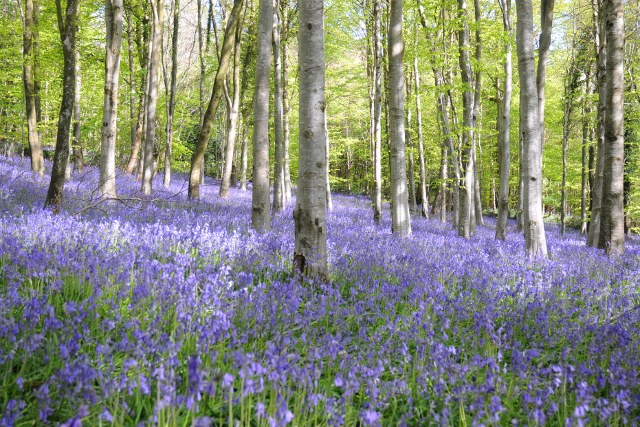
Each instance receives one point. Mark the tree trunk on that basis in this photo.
(203, 68)
(536, 244)
(234, 113)
(31, 51)
(260, 210)
(546, 25)
(67, 24)
(377, 111)
(424, 211)
(157, 9)
(611, 237)
(400, 218)
(409, 143)
(467, 196)
(600, 36)
(278, 173)
(505, 127)
(284, 12)
(78, 157)
(170, 88)
(477, 193)
(228, 44)
(244, 160)
(326, 160)
(113, 19)
(310, 253)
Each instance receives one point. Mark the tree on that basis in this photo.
(400, 217)
(113, 18)
(260, 210)
(310, 253)
(278, 173)
(611, 237)
(424, 196)
(67, 26)
(197, 159)
(78, 156)
(504, 119)
(170, 84)
(467, 186)
(377, 111)
(535, 239)
(30, 79)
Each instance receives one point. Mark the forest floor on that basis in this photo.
(163, 311)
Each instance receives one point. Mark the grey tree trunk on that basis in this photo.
(571, 81)
(467, 185)
(67, 25)
(310, 253)
(132, 91)
(234, 113)
(203, 67)
(377, 111)
(260, 209)
(278, 173)
(505, 127)
(424, 211)
(586, 143)
(600, 36)
(114, 15)
(611, 237)
(170, 88)
(327, 168)
(228, 44)
(400, 217)
(30, 68)
(284, 7)
(413, 205)
(157, 12)
(546, 25)
(536, 243)
(244, 160)
(477, 193)
(78, 156)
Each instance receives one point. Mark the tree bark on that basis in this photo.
(310, 253)
(424, 211)
(467, 184)
(505, 126)
(546, 25)
(611, 237)
(67, 25)
(536, 244)
(284, 6)
(234, 113)
(377, 111)
(30, 68)
(260, 210)
(400, 217)
(326, 160)
(170, 88)
(157, 9)
(216, 95)
(113, 19)
(278, 173)
(477, 193)
(600, 36)
(78, 156)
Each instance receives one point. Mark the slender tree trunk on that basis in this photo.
(284, 12)
(444, 177)
(260, 210)
(278, 173)
(570, 83)
(327, 168)
(171, 88)
(600, 36)
(400, 217)
(424, 211)
(228, 44)
(203, 69)
(477, 193)
(409, 143)
(466, 198)
(30, 52)
(546, 24)
(505, 127)
(132, 88)
(114, 14)
(234, 113)
(536, 244)
(377, 111)
(157, 7)
(67, 25)
(78, 157)
(611, 237)
(584, 172)
(310, 253)
(244, 159)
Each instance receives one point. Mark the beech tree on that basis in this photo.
(170, 85)
(535, 239)
(611, 236)
(114, 14)
(261, 209)
(400, 216)
(310, 253)
(67, 25)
